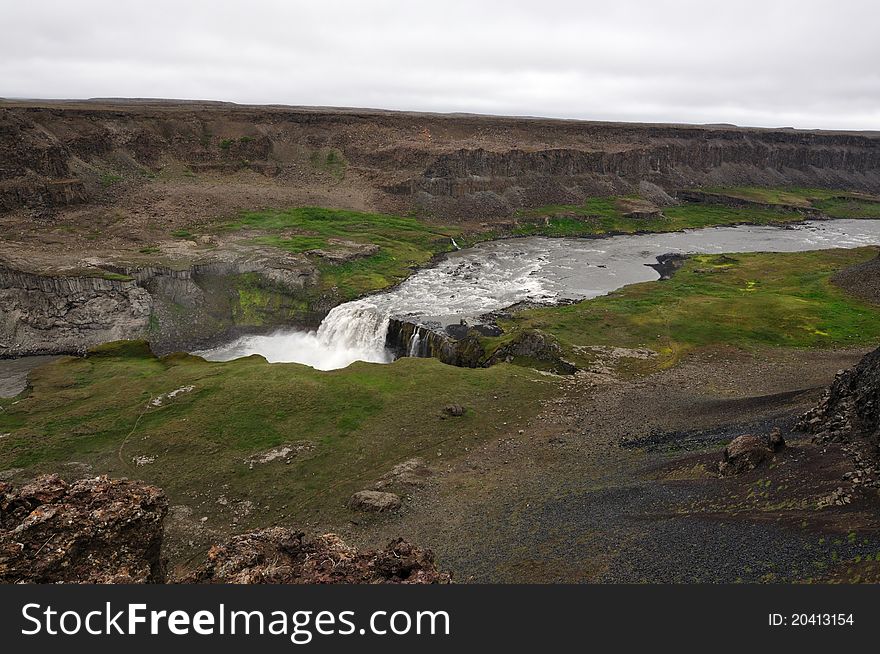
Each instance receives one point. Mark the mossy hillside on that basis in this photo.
(404, 244)
(355, 424)
(745, 300)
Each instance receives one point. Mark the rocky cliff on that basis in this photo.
(172, 308)
(850, 408)
(56, 155)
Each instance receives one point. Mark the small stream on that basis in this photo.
(490, 276)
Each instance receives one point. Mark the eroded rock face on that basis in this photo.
(44, 314)
(284, 556)
(173, 309)
(850, 408)
(91, 531)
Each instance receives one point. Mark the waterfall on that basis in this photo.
(454, 244)
(357, 326)
(414, 343)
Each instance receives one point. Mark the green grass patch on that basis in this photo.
(766, 299)
(358, 423)
(116, 277)
(599, 216)
(404, 243)
(848, 207)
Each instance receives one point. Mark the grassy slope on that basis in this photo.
(361, 421)
(742, 299)
(405, 243)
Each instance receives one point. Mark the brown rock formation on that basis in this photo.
(284, 556)
(850, 409)
(110, 531)
(92, 531)
(55, 154)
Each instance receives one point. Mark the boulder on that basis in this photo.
(744, 453)
(375, 501)
(91, 531)
(455, 410)
(775, 440)
(283, 556)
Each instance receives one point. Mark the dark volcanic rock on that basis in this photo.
(850, 408)
(455, 410)
(744, 453)
(92, 531)
(284, 556)
(534, 344)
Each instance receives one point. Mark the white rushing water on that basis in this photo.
(491, 276)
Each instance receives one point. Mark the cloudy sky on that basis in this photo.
(804, 63)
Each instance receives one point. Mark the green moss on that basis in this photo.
(405, 243)
(109, 179)
(116, 277)
(744, 300)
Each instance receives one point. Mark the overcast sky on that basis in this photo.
(803, 63)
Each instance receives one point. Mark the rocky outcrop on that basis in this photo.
(850, 409)
(534, 345)
(94, 531)
(374, 501)
(406, 338)
(111, 531)
(747, 452)
(285, 556)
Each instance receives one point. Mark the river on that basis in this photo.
(497, 274)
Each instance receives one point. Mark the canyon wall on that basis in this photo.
(446, 166)
(173, 309)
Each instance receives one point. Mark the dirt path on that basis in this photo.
(610, 483)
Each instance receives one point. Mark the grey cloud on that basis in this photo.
(776, 62)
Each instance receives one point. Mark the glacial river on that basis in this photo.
(497, 274)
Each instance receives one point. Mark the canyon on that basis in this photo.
(613, 387)
(112, 211)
